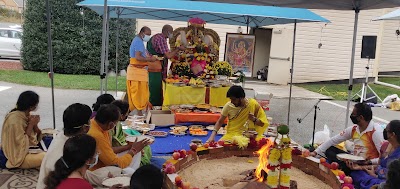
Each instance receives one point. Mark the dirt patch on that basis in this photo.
(10, 65)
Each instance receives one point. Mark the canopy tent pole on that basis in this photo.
(353, 52)
(116, 52)
(50, 55)
(107, 62)
(247, 24)
(103, 47)
(291, 70)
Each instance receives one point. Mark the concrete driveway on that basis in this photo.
(331, 112)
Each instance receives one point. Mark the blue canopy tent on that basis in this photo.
(218, 13)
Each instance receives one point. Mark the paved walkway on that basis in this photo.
(282, 91)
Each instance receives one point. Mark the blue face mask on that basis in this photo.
(146, 38)
(96, 159)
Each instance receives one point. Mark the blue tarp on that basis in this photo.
(218, 13)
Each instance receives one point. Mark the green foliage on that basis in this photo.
(76, 38)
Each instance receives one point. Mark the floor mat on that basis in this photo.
(18, 178)
(4, 178)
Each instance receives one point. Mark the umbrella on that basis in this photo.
(395, 15)
(218, 13)
(356, 5)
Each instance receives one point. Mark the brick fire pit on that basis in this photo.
(309, 166)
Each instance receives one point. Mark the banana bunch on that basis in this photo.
(197, 81)
(192, 81)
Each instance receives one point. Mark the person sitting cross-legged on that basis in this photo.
(76, 122)
(119, 142)
(106, 119)
(366, 135)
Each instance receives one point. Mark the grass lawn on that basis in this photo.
(391, 80)
(61, 81)
(339, 91)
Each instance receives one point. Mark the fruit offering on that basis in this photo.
(169, 168)
(197, 132)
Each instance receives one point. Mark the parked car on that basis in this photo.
(10, 42)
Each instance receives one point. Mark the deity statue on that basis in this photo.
(202, 46)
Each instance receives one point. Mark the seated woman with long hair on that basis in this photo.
(70, 169)
(20, 131)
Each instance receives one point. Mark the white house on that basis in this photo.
(312, 64)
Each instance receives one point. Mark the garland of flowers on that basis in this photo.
(280, 163)
(223, 68)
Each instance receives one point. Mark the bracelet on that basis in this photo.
(215, 130)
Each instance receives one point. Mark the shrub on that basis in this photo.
(76, 38)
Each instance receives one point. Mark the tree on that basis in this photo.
(76, 38)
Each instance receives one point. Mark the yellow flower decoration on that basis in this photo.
(272, 180)
(274, 156)
(202, 58)
(196, 54)
(287, 154)
(241, 141)
(285, 179)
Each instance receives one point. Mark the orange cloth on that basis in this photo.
(107, 156)
(197, 117)
(137, 85)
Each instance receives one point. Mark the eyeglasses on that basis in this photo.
(84, 125)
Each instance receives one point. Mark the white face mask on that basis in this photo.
(170, 35)
(146, 38)
(96, 159)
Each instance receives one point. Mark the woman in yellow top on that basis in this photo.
(243, 114)
(137, 77)
(20, 130)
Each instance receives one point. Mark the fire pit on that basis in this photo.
(228, 173)
(227, 166)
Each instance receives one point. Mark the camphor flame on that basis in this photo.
(263, 160)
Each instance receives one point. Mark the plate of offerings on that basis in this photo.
(158, 133)
(198, 132)
(176, 133)
(350, 157)
(183, 110)
(203, 106)
(187, 106)
(138, 138)
(124, 181)
(179, 129)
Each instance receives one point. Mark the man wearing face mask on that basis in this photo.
(106, 119)
(243, 114)
(158, 46)
(366, 135)
(137, 75)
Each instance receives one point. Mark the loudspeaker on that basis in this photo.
(368, 47)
